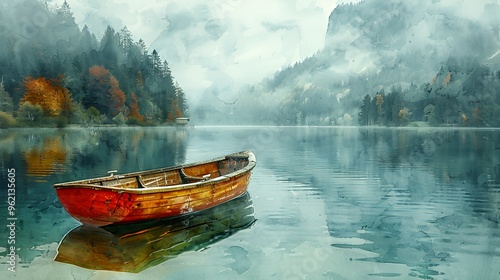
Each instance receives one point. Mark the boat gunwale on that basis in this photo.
(86, 183)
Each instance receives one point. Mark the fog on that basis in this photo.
(307, 62)
(215, 47)
(375, 46)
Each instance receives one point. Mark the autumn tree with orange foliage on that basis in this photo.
(134, 108)
(99, 72)
(54, 99)
(117, 96)
(104, 92)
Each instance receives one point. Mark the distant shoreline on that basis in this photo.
(411, 125)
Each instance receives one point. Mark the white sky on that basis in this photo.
(255, 37)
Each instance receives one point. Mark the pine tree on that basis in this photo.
(364, 113)
(6, 104)
(88, 41)
(65, 32)
(156, 64)
(142, 47)
(181, 101)
(126, 41)
(166, 69)
(65, 13)
(109, 49)
(379, 103)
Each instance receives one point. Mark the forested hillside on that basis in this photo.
(463, 93)
(390, 62)
(54, 73)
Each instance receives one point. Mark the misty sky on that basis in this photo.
(216, 46)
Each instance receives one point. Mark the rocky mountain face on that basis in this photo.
(375, 46)
(411, 38)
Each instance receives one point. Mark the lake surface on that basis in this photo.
(323, 203)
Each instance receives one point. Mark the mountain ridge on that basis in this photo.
(374, 46)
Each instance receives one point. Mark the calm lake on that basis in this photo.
(322, 203)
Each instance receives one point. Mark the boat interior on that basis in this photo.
(183, 175)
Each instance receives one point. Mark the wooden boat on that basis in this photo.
(136, 247)
(159, 193)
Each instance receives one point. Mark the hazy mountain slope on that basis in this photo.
(218, 46)
(375, 45)
(407, 36)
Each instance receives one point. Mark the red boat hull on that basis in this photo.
(100, 206)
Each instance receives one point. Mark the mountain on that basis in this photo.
(376, 46)
(408, 38)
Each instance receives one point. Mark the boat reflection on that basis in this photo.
(136, 247)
